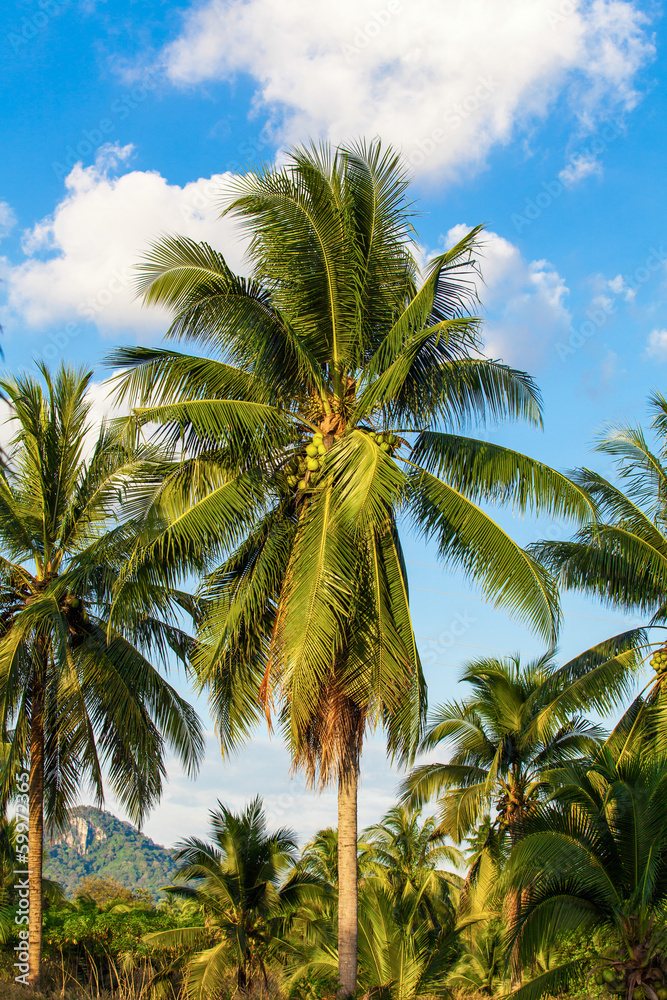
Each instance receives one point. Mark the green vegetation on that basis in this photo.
(330, 405)
(95, 844)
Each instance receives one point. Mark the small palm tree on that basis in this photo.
(506, 739)
(246, 884)
(77, 692)
(406, 856)
(338, 381)
(595, 859)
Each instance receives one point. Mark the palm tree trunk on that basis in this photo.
(347, 880)
(36, 832)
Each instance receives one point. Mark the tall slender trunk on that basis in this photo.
(36, 828)
(347, 881)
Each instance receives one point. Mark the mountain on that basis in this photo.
(97, 843)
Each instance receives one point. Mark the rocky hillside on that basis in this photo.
(97, 843)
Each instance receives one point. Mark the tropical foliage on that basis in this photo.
(79, 699)
(338, 382)
(328, 406)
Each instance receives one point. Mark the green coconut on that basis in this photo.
(608, 975)
(302, 484)
(321, 450)
(317, 437)
(311, 450)
(599, 978)
(313, 465)
(385, 447)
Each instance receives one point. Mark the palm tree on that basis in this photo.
(338, 383)
(621, 558)
(76, 691)
(401, 956)
(505, 742)
(246, 883)
(595, 860)
(406, 857)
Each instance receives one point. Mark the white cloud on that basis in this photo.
(7, 219)
(656, 346)
(579, 168)
(524, 301)
(263, 768)
(446, 82)
(80, 260)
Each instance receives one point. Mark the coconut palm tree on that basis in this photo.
(504, 744)
(77, 693)
(595, 860)
(338, 382)
(621, 558)
(246, 883)
(406, 856)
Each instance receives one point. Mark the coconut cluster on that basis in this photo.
(659, 664)
(386, 442)
(614, 981)
(309, 462)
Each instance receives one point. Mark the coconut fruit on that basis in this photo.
(318, 438)
(311, 450)
(292, 480)
(313, 464)
(385, 447)
(302, 484)
(659, 660)
(599, 978)
(608, 975)
(321, 450)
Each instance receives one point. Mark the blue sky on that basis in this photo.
(541, 118)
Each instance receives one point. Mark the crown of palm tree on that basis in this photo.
(337, 336)
(508, 737)
(622, 556)
(67, 528)
(246, 882)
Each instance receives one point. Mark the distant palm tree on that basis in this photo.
(406, 856)
(339, 382)
(595, 861)
(77, 694)
(504, 744)
(246, 883)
